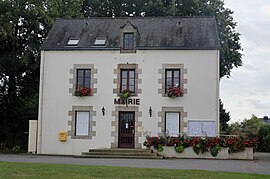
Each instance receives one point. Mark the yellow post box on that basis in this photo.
(63, 136)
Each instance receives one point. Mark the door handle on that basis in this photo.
(133, 131)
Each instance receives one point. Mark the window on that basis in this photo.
(128, 41)
(172, 123)
(128, 35)
(128, 80)
(172, 78)
(82, 123)
(73, 42)
(84, 78)
(100, 41)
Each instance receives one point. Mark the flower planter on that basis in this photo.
(81, 91)
(204, 148)
(169, 152)
(175, 92)
(247, 154)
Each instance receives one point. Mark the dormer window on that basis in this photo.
(100, 41)
(73, 42)
(129, 36)
(128, 43)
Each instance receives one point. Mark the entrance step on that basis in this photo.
(120, 153)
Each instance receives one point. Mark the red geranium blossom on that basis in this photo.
(81, 91)
(175, 92)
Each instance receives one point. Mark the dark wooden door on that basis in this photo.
(126, 129)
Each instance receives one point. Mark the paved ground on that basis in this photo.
(261, 164)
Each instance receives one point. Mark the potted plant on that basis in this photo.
(82, 91)
(175, 92)
(125, 94)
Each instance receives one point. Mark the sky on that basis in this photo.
(247, 91)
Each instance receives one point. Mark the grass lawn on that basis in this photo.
(36, 170)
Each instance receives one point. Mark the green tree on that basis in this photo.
(23, 26)
(230, 52)
(66, 9)
(249, 127)
(113, 8)
(20, 37)
(234, 128)
(264, 138)
(224, 117)
(254, 124)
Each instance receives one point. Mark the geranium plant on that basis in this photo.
(156, 142)
(175, 92)
(82, 91)
(202, 144)
(125, 94)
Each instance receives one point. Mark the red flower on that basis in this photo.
(82, 91)
(175, 92)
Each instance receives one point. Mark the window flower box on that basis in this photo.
(125, 94)
(82, 91)
(175, 92)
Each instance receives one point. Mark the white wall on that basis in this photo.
(201, 101)
(32, 138)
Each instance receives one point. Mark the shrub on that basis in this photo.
(264, 138)
(156, 142)
(179, 149)
(159, 148)
(16, 149)
(199, 145)
(214, 150)
(3, 146)
(266, 142)
(125, 94)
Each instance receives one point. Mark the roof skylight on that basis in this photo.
(100, 41)
(73, 42)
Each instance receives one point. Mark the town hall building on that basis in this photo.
(107, 82)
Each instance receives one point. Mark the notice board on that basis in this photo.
(201, 128)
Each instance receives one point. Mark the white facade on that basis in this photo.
(199, 103)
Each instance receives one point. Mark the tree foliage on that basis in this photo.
(224, 117)
(253, 127)
(20, 37)
(249, 127)
(264, 138)
(23, 26)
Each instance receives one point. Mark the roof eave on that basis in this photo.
(138, 48)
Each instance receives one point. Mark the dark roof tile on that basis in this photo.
(155, 33)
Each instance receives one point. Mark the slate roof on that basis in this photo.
(267, 121)
(154, 33)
